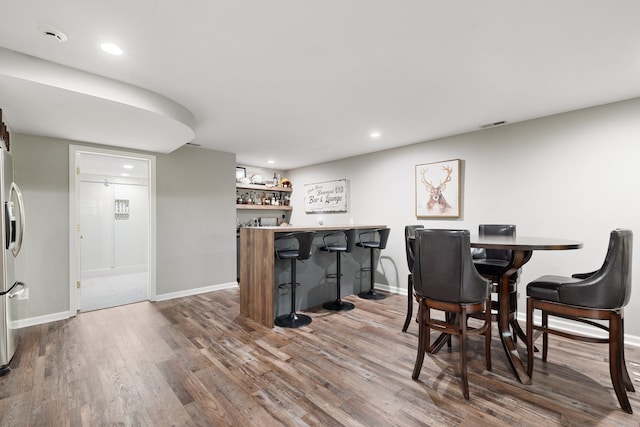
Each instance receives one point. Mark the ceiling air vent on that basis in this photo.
(494, 124)
(53, 33)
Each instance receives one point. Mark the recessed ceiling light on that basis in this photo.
(374, 134)
(271, 162)
(111, 48)
(124, 174)
(127, 166)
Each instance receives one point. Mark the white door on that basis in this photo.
(112, 260)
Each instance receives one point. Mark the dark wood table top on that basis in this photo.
(525, 243)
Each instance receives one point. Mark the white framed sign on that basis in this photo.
(328, 196)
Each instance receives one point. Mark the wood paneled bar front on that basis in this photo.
(259, 270)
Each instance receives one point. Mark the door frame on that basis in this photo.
(74, 218)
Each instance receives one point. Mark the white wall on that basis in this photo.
(573, 175)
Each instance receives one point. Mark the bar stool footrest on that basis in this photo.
(287, 285)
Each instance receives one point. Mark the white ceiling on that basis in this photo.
(304, 82)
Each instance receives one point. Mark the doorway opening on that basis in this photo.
(113, 259)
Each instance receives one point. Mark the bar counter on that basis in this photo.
(261, 272)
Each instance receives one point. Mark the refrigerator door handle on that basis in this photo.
(16, 249)
(17, 289)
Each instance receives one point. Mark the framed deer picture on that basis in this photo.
(438, 189)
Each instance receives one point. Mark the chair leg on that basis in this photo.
(627, 380)
(463, 352)
(545, 336)
(529, 337)
(616, 358)
(407, 320)
(423, 340)
(487, 336)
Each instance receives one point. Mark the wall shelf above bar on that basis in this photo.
(264, 207)
(263, 187)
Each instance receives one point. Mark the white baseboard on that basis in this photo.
(196, 291)
(39, 320)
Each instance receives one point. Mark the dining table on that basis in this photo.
(522, 248)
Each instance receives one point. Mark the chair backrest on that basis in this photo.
(443, 268)
(384, 236)
(377, 235)
(333, 241)
(497, 230)
(610, 286)
(409, 241)
(350, 236)
(305, 241)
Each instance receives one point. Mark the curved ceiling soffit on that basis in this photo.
(143, 109)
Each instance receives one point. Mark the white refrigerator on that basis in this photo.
(12, 228)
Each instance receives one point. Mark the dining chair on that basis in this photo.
(445, 279)
(492, 262)
(409, 241)
(596, 299)
(294, 251)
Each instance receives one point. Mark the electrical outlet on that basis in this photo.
(24, 295)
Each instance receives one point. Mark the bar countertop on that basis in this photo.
(291, 228)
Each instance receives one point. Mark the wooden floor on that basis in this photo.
(195, 361)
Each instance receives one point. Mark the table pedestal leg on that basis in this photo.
(519, 258)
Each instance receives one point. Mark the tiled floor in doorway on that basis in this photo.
(111, 291)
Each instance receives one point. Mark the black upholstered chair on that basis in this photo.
(599, 296)
(445, 279)
(373, 239)
(492, 263)
(409, 241)
(339, 242)
(294, 251)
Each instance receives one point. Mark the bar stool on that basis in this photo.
(334, 244)
(382, 235)
(302, 252)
